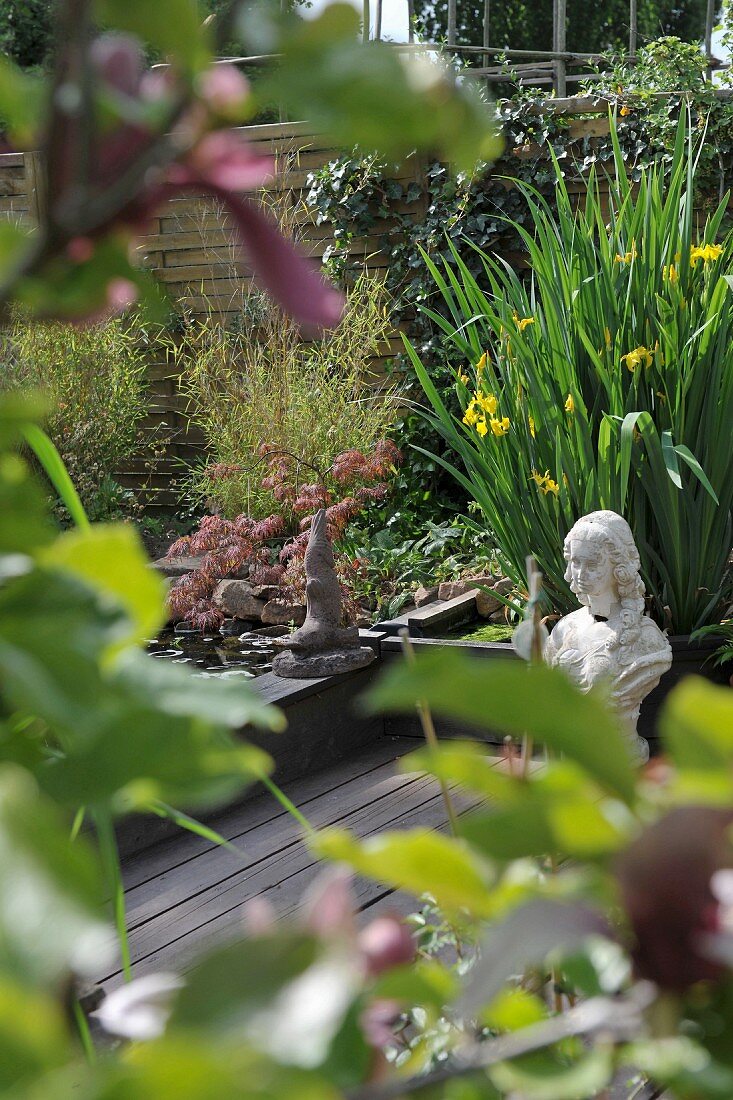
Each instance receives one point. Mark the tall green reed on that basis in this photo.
(604, 380)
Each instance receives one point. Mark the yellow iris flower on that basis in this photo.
(545, 483)
(639, 357)
(500, 427)
(522, 322)
(532, 429)
(627, 256)
(481, 427)
(471, 415)
(705, 253)
(570, 404)
(486, 402)
(481, 365)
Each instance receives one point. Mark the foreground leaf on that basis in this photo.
(417, 860)
(370, 96)
(50, 897)
(510, 697)
(111, 559)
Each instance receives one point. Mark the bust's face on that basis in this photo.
(591, 571)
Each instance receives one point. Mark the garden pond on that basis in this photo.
(214, 654)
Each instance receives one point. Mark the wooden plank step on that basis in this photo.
(185, 893)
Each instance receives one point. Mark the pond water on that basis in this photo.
(214, 654)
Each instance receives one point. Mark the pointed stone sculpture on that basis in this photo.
(321, 646)
(609, 640)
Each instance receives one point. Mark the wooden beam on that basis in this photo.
(451, 22)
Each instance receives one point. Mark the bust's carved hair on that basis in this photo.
(611, 531)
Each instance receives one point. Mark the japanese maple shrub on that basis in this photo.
(272, 550)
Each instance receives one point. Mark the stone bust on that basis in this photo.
(609, 640)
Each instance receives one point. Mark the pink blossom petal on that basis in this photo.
(293, 280)
(80, 249)
(329, 905)
(118, 60)
(227, 160)
(223, 88)
(121, 293)
(385, 943)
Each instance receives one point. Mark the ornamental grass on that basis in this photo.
(602, 380)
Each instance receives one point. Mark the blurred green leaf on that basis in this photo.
(178, 693)
(417, 860)
(24, 523)
(511, 697)
(52, 629)
(46, 453)
(523, 938)
(682, 1064)
(15, 239)
(370, 96)
(427, 983)
(175, 27)
(541, 1077)
(34, 1038)
(696, 724)
(226, 989)
(513, 1009)
(21, 105)
(50, 897)
(111, 559)
(131, 735)
(70, 291)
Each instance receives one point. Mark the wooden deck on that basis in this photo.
(185, 894)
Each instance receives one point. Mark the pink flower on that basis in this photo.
(219, 163)
(121, 293)
(225, 158)
(223, 89)
(385, 943)
(666, 878)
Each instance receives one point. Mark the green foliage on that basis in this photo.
(263, 383)
(93, 380)
(26, 29)
(393, 562)
(358, 195)
(603, 382)
(528, 26)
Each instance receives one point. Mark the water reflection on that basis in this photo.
(214, 654)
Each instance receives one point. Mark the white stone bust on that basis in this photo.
(609, 640)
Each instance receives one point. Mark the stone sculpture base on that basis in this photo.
(298, 666)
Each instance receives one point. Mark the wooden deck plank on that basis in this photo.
(185, 895)
(267, 842)
(234, 823)
(176, 944)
